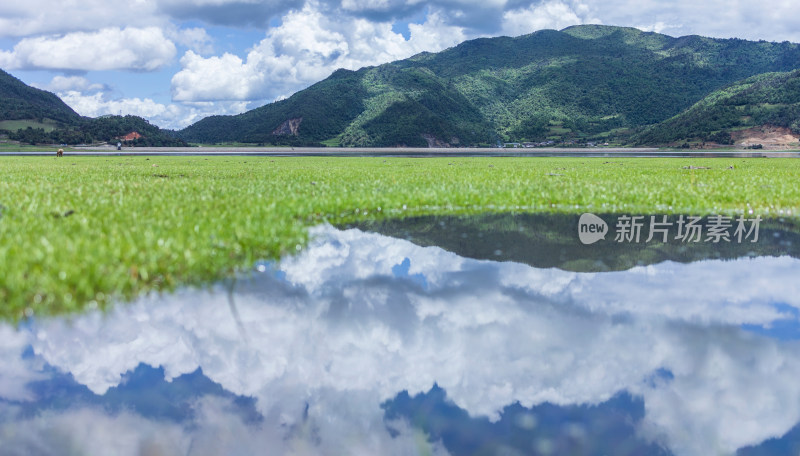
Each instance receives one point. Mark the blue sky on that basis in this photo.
(177, 61)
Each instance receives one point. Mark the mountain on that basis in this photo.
(549, 241)
(766, 103)
(19, 101)
(580, 83)
(35, 116)
(109, 129)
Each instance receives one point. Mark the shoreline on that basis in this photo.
(406, 152)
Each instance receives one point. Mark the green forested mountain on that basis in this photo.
(582, 83)
(766, 99)
(87, 130)
(19, 101)
(35, 116)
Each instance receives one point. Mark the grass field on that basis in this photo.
(13, 125)
(81, 231)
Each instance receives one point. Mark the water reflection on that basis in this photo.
(550, 240)
(365, 343)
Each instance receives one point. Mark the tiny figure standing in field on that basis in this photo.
(60, 153)
(119, 145)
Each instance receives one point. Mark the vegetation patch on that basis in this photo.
(763, 101)
(80, 231)
(13, 125)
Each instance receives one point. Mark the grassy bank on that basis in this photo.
(81, 231)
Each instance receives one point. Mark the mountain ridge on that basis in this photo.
(766, 101)
(588, 82)
(19, 101)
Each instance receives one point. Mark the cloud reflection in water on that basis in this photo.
(326, 337)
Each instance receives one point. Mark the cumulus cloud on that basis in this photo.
(89, 430)
(74, 83)
(216, 78)
(547, 15)
(195, 38)
(16, 372)
(305, 48)
(767, 20)
(215, 429)
(93, 103)
(46, 17)
(96, 104)
(323, 338)
(140, 49)
(770, 20)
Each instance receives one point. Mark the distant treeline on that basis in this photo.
(102, 129)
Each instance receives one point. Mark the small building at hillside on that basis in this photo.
(130, 136)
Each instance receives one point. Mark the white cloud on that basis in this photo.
(215, 430)
(216, 78)
(435, 34)
(174, 115)
(16, 372)
(305, 48)
(770, 20)
(657, 27)
(195, 38)
(141, 49)
(767, 20)
(490, 334)
(95, 105)
(47, 17)
(73, 83)
(92, 431)
(547, 15)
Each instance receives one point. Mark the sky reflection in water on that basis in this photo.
(365, 343)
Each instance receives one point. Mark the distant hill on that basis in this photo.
(35, 116)
(582, 83)
(766, 102)
(88, 131)
(18, 101)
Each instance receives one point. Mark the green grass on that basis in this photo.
(333, 142)
(13, 125)
(88, 230)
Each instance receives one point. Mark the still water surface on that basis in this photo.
(509, 340)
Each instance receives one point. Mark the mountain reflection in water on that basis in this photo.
(365, 343)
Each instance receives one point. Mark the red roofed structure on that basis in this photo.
(130, 136)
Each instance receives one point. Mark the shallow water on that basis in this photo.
(511, 339)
